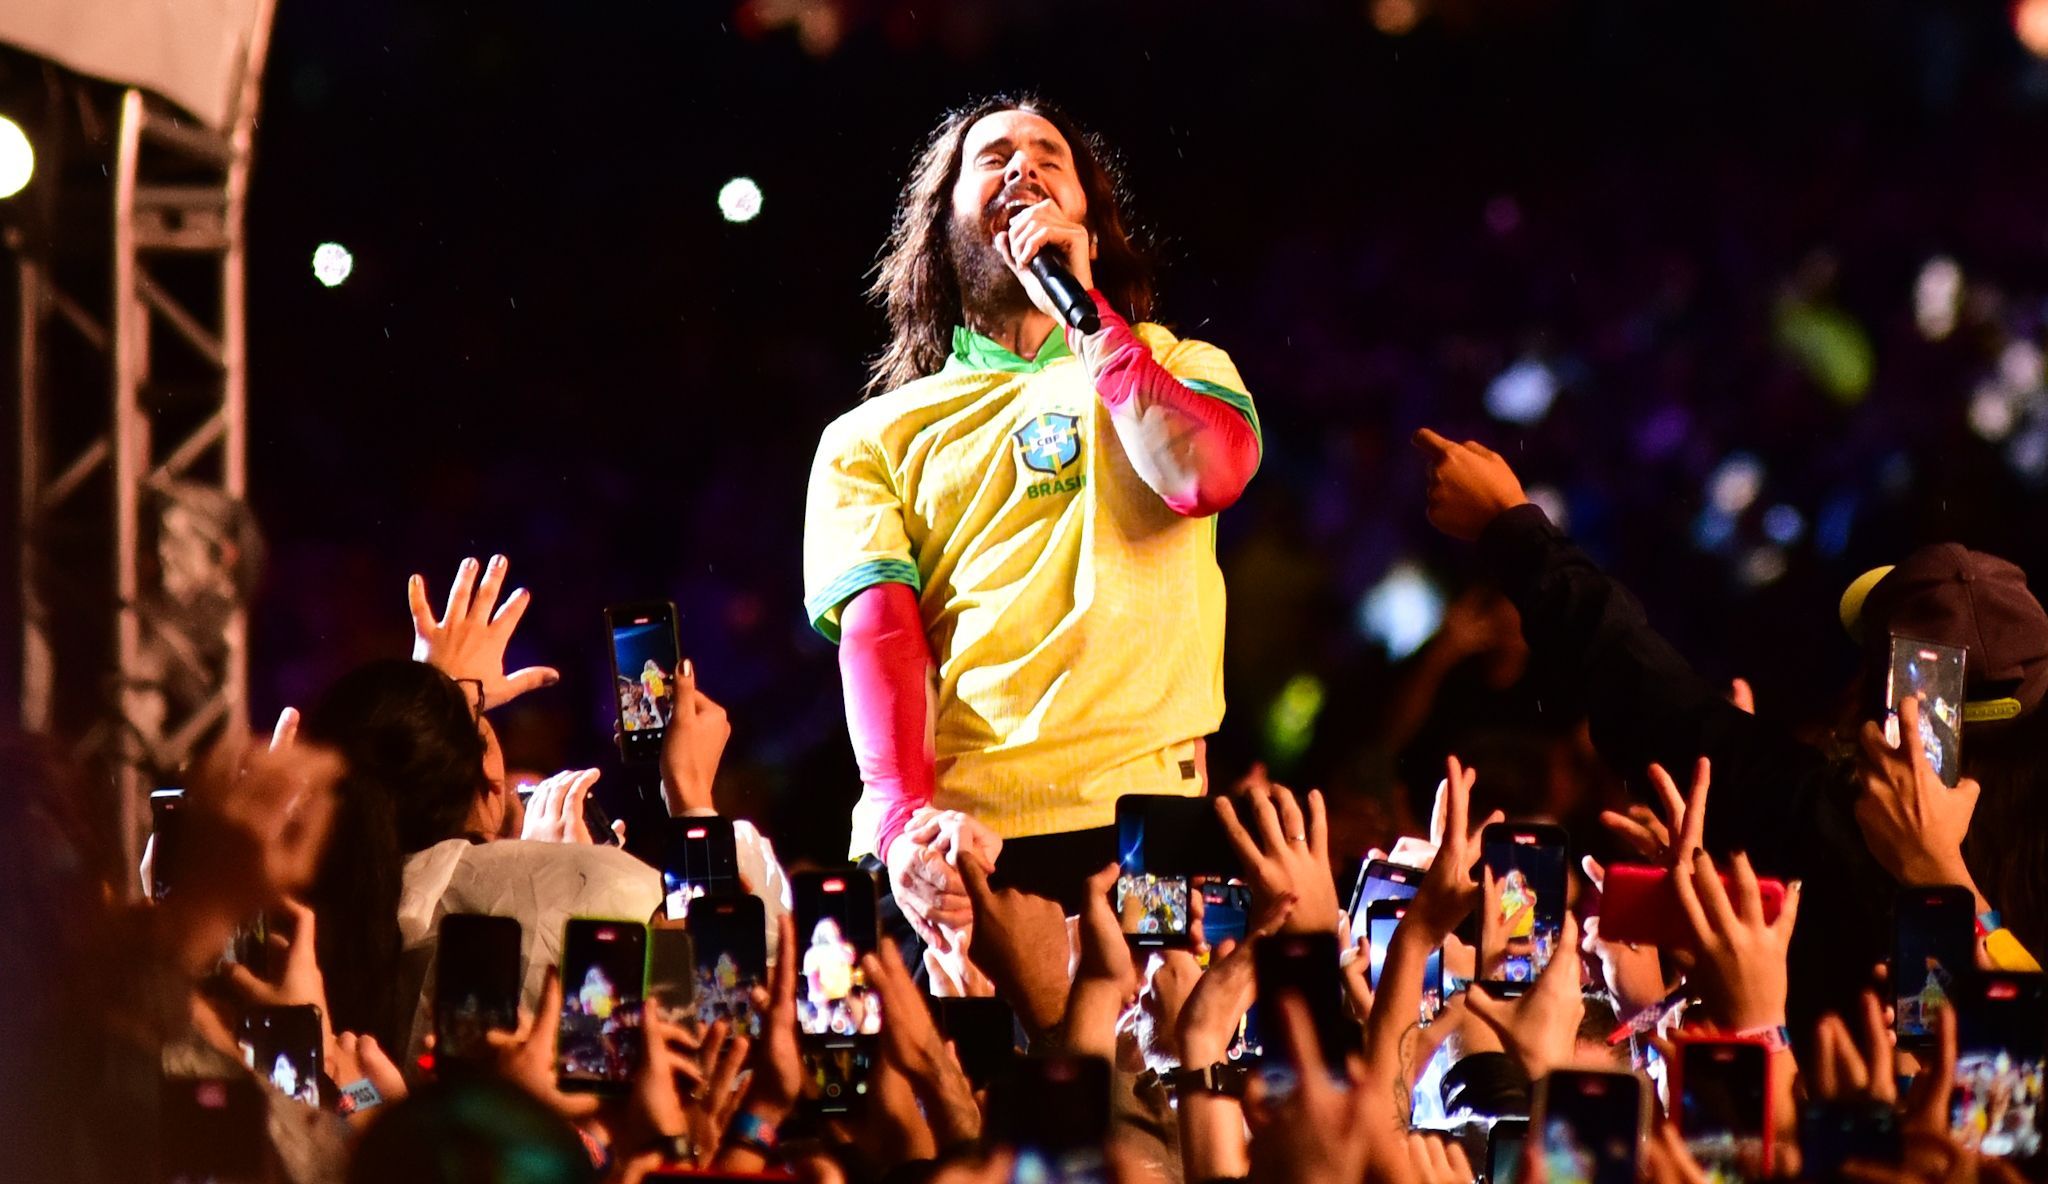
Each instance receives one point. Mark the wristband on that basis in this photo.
(753, 1132)
(1989, 922)
(1220, 1079)
(356, 1097)
(673, 1148)
(1775, 1038)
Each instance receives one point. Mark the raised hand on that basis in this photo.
(1448, 893)
(554, 814)
(1685, 817)
(1911, 821)
(1290, 856)
(1020, 941)
(1741, 957)
(468, 642)
(693, 745)
(1469, 485)
(1539, 1029)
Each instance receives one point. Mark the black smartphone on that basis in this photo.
(166, 829)
(838, 1013)
(983, 1031)
(1379, 880)
(1834, 1132)
(1529, 861)
(1590, 1125)
(732, 959)
(282, 1045)
(1305, 965)
(477, 980)
(1226, 911)
(595, 820)
(598, 1043)
(2001, 1063)
(645, 655)
(212, 1130)
(1504, 1142)
(1161, 835)
(1933, 674)
(1723, 1112)
(1934, 939)
(671, 973)
(698, 859)
(1054, 1115)
(1382, 917)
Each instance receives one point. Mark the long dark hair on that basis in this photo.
(914, 279)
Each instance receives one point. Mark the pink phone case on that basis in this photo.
(1640, 905)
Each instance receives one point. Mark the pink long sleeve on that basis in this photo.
(884, 661)
(1196, 452)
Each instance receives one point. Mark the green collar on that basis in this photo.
(972, 351)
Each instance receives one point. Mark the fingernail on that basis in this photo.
(497, 561)
(413, 581)
(551, 679)
(1795, 885)
(689, 670)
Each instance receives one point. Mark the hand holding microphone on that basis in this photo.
(1040, 235)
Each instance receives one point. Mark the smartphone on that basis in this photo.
(1932, 673)
(2001, 1064)
(1590, 1125)
(1160, 835)
(1154, 911)
(598, 1043)
(699, 859)
(1529, 861)
(1934, 939)
(1226, 911)
(1302, 964)
(983, 1032)
(1638, 904)
(212, 1130)
(671, 973)
(1378, 880)
(166, 828)
(1724, 1107)
(1382, 917)
(1504, 1142)
(1835, 1132)
(1054, 1115)
(477, 980)
(282, 1045)
(732, 959)
(838, 1014)
(645, 655)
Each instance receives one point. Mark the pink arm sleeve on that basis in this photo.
(884, 661)
(1201, 451)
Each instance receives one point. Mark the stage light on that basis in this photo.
(740, 200)
(2028, 453)
(332, 263)
(1291, 721)
(1550, 500)
(1763, 565)
(1784, 524)
(1937, 295)
(1713, 530)
(2019, 365)
(1992, 414)
(1396, 17)
(1735, 483)
(17, 158)
(1402, 610)
(2030, 21)
(1522, 393)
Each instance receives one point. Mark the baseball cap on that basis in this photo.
(1949, 594)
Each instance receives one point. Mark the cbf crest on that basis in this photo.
(1049, 442)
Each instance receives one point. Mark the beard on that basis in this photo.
(989, 290)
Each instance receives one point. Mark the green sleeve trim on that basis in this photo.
(823, 608)
(1238, 400)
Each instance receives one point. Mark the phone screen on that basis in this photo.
(2001, 1064)
(604, 981)
(1054, 1114)
(1504, 1142)
(1153, 910)
(476, 984)
(213, 1130)
(1226, 911)
(1934, 939)
(1722, 1107)
(671, 973)
(983, 1031)
(1381, 880)
(1589, 1124)
(700, 860)
(1382, 918)
(1304, 964)
(1529, 862)
(282, 1046)
(1159, 835)
(1933, 674)
(732, 960)
(835, 921)
(644, 659)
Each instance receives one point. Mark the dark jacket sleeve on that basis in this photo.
(1590, 641)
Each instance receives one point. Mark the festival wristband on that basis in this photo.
(1775, 1038)
(356, 1097)
(1989, 922)
(753, 1132)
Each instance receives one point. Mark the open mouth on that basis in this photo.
(1006, 208)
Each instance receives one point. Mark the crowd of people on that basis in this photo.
(358, 827)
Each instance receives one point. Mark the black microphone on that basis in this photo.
(1076, 307)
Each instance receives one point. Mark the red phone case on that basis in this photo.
(1639, 904)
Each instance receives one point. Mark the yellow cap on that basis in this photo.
(1855, 594)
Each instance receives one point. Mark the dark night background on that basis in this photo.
(1692, 214)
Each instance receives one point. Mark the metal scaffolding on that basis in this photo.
(138, 652)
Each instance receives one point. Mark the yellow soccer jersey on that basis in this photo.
(1076, 620)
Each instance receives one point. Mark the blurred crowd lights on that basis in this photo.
(332, 264)
(1402, 611)
(1938, 297)
(739, 200)
(2030, 21)
(17, 158)
(1522, 393)
(1735, 483)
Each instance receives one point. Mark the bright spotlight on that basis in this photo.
(1937, 295)
(740, 200)
(1550, 500)
(1736, 483)
(1522, 393)
(1993, 414)
(1402, 610)
(332, 263)
(17, 158)
(2030, 21)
